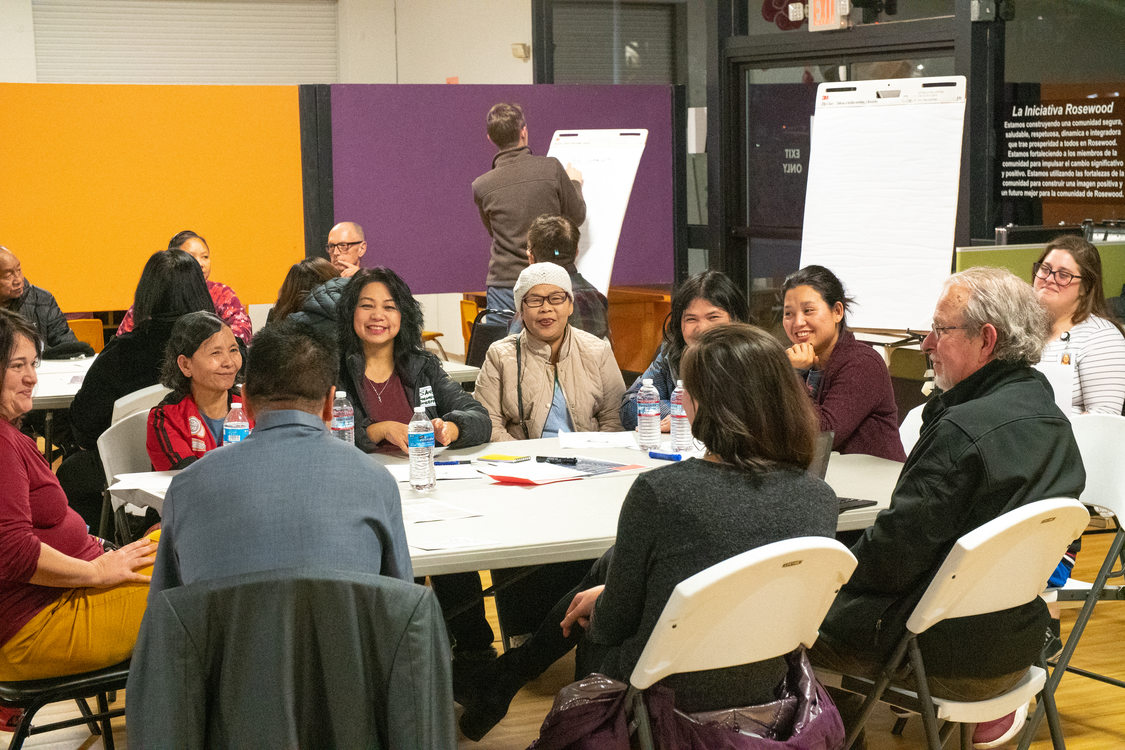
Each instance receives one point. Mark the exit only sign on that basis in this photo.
(828, 15)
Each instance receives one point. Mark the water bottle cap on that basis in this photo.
(679, 384)
(235, 402)
(341, 394)
(419, 410)
(646, 381)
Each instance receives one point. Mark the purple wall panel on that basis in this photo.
(404, 157)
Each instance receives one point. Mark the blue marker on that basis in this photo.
(453, 463)
(665, 456)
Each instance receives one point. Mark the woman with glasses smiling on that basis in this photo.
(550, 377)
(1068, 281)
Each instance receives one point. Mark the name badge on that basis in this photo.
(426, 396)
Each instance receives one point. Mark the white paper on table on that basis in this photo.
(533, 472)
(451, 542)
(426, 511)
(401, 472)
(572, 440)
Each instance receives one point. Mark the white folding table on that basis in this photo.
(517, 525)
(59, 381)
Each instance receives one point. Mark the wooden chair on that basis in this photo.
(428, 336)
(90, 331)
(469, 310)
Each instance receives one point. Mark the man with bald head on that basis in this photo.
(346, 245)
(35, 304)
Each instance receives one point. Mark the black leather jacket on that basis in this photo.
(453, 404)
(994, 442)
(41, 309)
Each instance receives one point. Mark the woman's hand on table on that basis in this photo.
(581, 609)
(392, 432)
(445, 432)
(122, 565)
(801, 356)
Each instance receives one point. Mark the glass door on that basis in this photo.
(776, 114)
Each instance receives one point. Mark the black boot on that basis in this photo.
(487, 695)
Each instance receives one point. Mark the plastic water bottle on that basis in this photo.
(343, 418)
(681, 427)
(236, 426)
(648, 415)
(420, 441)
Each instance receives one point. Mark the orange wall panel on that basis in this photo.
(94, 179)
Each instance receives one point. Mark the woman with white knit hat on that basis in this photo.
(550, 377)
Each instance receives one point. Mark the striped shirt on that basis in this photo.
(1097, 350)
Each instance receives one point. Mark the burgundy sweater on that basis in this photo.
(33, 509)
(856, 401)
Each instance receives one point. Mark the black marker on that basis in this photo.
(562, 460)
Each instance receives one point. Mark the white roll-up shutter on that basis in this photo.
(185, 41)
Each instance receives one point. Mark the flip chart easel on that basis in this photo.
(608, 160)
(881, 201)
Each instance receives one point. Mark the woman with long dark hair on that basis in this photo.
(386, 372)
(1084, 334)
(846, 379)
(751, 488)
(171, 285)
(703, 301)
(301, 280)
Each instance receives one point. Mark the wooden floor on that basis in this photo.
(1092, 712)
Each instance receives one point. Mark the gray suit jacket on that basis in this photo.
(288, 496)
(298, 658)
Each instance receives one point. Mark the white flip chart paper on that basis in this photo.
(881, 201)
(608, 160)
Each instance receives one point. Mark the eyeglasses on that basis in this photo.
(939, 331)
(1062, 278)
(339, 247)
(554, 298)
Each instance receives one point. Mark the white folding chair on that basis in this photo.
(911, 428)
(122, 451)
(755, 606)
(1099, 437)
(143, 399)
(999, 565)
